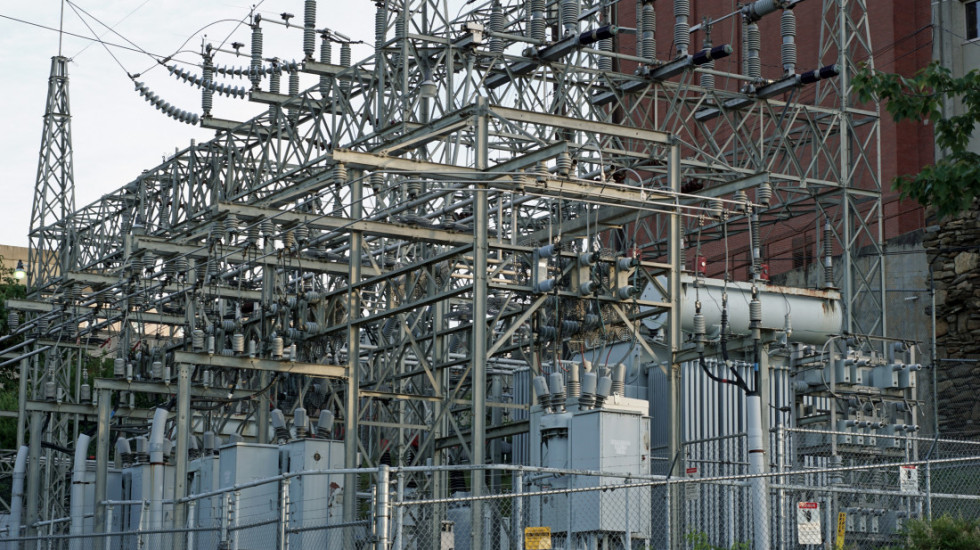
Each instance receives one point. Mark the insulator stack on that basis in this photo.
(538, 20)
(249, 71)
(763, 194)
(648, 37)
(787, 26)
(756, 244)
(156, 370)
(309, 28)
(197, 339)
(400, 28)
(165, 107)
(13, 320)
(325, 55)
(278, 421)
(277, 347)
(574, 385)
(602, 391)
(605, 62)
(293, 92)
(300, 421)
(50, 388)
(557, 384)
(619, 380)
(231, 224)
(206, 82)
(85, 391)
(682, 26)
(496, 25)
(274, 87)
(377, 182)
(699, 329)
(569, 16)
(587, 399)
(302, 234)
(380, 26)
(741, 197)
(413, 188)
(707, 79)
(180, 264)
(256, 73)
(207, 96)
(324, 425)
(268, 229)
(828, 255)
(118, 367)
(564, 164)
(753, 43)
(340, 174)
(541, 172)
(345, 82)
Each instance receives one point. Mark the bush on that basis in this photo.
(945, 532)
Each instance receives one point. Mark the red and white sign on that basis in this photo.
(808, 523)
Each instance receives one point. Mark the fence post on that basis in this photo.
(223, 544)
(381, 512)
(237, 500)
(284, 515)
(668, 532)
(517, 515)
(191, 523)
(400, 514)
(627, 540)
(108, 527)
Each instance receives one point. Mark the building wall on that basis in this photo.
(901, 38)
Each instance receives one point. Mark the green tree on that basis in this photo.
(944, 532)
(950, 184)
(9, 288)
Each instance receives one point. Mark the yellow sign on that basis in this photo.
(841, 524)
(537, 538)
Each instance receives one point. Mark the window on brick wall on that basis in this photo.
(971, 20)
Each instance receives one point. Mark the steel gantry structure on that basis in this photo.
(487, 192)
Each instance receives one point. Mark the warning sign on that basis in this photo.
(808, 523)
(691, 489)
(537, 538)
(908, 479)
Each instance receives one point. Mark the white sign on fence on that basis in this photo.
(908, 479)
(691, 489)
(808, 523)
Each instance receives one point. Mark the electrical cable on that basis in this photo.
(134, 10)
(116, 59)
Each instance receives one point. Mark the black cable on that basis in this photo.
(97, 39)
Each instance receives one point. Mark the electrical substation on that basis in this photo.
(455, 295)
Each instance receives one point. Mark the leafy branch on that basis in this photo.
(949, 184)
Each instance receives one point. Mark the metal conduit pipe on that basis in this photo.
(17, 496)
(157, 432)
(759, 499)
(77, 506)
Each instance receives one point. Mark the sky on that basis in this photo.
(116, 134)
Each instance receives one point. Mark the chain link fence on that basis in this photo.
(823, 490)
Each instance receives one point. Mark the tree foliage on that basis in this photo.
(950, 184)
(944, 532)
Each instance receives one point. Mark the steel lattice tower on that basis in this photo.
(382, 239)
